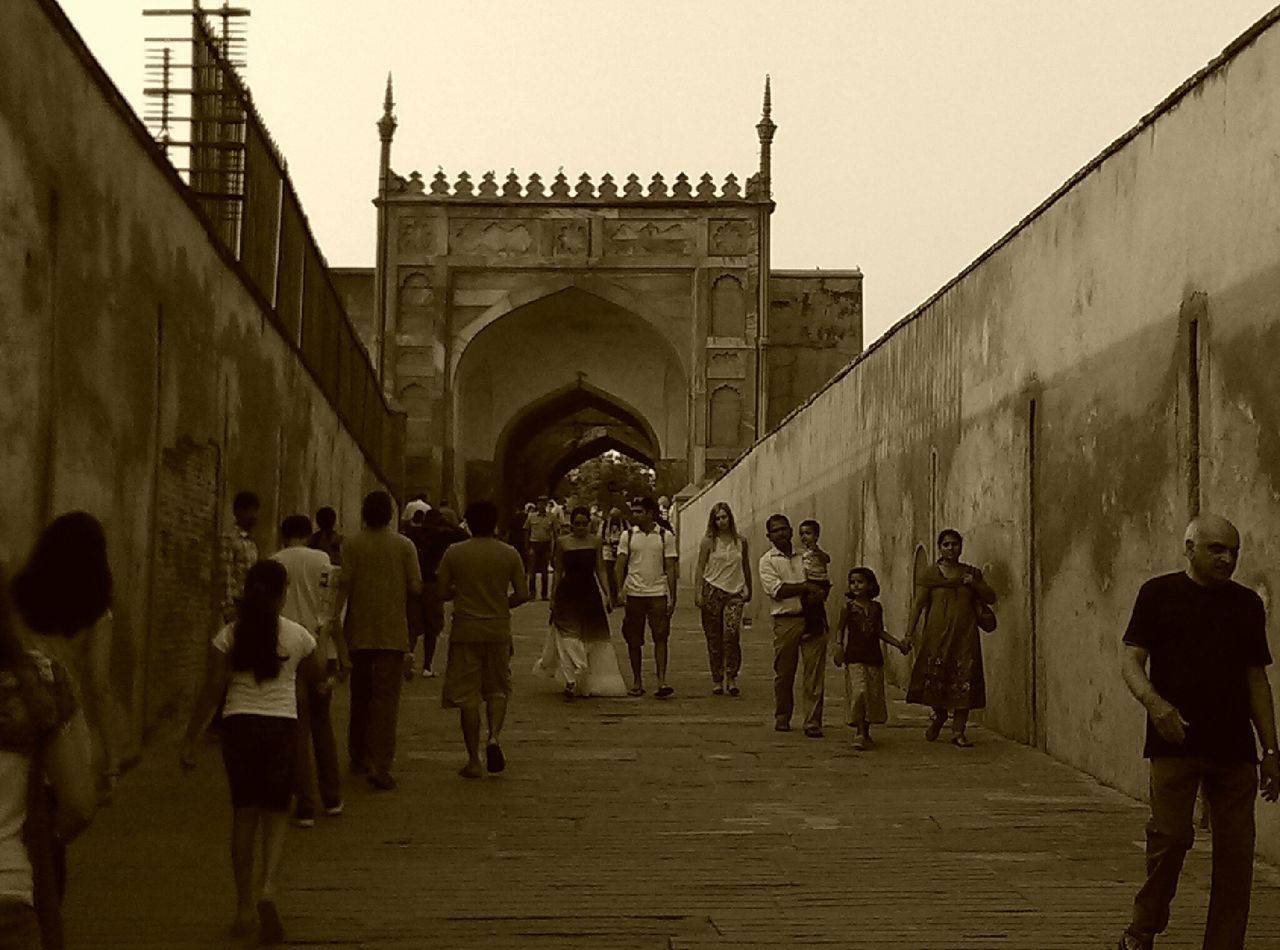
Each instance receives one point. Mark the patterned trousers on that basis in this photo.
(722, 625)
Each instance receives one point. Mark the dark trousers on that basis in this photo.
(317, 772)
(1230, 789)
(791, 647)
(376, 676)
(431, 623)
(540, 554)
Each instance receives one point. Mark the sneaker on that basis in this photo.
(428, 675)
(300, 821)
(333, 811)
(813, 732)
(717, 690)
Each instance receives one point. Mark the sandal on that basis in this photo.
(733, 689)
(636, 691)
(961, 741)
(717, 690)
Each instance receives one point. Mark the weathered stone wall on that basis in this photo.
(1064, 402)
(815, 329)
(141, 378)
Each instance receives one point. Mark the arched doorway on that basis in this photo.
(558, 380)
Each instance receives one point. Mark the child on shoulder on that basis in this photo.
(815, 562)
(858, 650)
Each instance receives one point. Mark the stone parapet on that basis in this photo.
(607, 191)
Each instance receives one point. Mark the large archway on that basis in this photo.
(559, 380)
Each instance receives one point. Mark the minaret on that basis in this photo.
(764, 191)
(765, 129)
(386, 130)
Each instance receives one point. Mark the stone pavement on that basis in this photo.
(642, 823)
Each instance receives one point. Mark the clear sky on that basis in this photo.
(911, 134)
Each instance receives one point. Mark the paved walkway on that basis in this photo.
(640, 823)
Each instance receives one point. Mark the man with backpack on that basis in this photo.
(647, 579)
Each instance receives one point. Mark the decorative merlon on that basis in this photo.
(462, 188)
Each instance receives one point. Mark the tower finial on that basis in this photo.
(387, 124)
(765, 129)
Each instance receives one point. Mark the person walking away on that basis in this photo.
(62, 596)
(543, 530)
(783, 581)
(947, 673)
(256, 662)
(317, 779)
(857, 649)
(439, 534)
(723, 588)
(379, 574)
(485, 579)
(238, 551)
(816, 572)
(1195, 656)
(327, 538)
(647, 579)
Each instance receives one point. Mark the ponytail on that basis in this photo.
(255, 647)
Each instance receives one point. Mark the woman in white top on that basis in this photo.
(257, 662)
(724, 586)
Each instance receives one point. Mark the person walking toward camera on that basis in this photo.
(724, 587)
(1195, 656)
(858, 650)
(647, 579)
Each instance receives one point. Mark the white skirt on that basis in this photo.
(590, 669)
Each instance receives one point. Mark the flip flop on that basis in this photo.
(961, 742)
(270, 929)
(664, 691)
(494, 760)
(470, 771)
(636, 691)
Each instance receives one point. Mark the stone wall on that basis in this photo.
(141, 376)
(1066, 402)
(815, 329)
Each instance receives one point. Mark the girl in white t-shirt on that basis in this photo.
(256, 662)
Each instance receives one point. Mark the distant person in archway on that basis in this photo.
(947, 674)
(326, 537)
(723, 576)
(611, 535)
(543, 530)
(578, 648)
(1206, 692)
(646, 569)
(518, 533)
(485, 579)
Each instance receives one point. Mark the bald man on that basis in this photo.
(1205, 639)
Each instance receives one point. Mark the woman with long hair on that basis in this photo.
(47, 794)
(947, 673)
(723, 578)
(579, 649)
(256, 661)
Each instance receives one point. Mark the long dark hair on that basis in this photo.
(255, 646)
(65, 585)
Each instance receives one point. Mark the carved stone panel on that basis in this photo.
(728, 307)
(725, 411)
(732, 238)
(417, 236)
(490, 237)
(649, 238)
(570, 239)
(726, 364)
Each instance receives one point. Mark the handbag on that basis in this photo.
(986, 617)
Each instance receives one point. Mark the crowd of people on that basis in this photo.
(326, 609)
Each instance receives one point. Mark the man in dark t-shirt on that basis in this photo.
(1195, 657)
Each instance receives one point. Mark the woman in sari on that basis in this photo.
(579, 649)
(947, 674)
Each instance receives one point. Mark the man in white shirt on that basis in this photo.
(307, 602)
(646, 575)
(782, 579)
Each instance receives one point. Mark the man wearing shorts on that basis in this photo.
(646, 574)
(484, 578)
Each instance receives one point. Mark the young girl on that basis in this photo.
(858, 651)
(257, 661)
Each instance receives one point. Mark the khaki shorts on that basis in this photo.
(476, 673)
